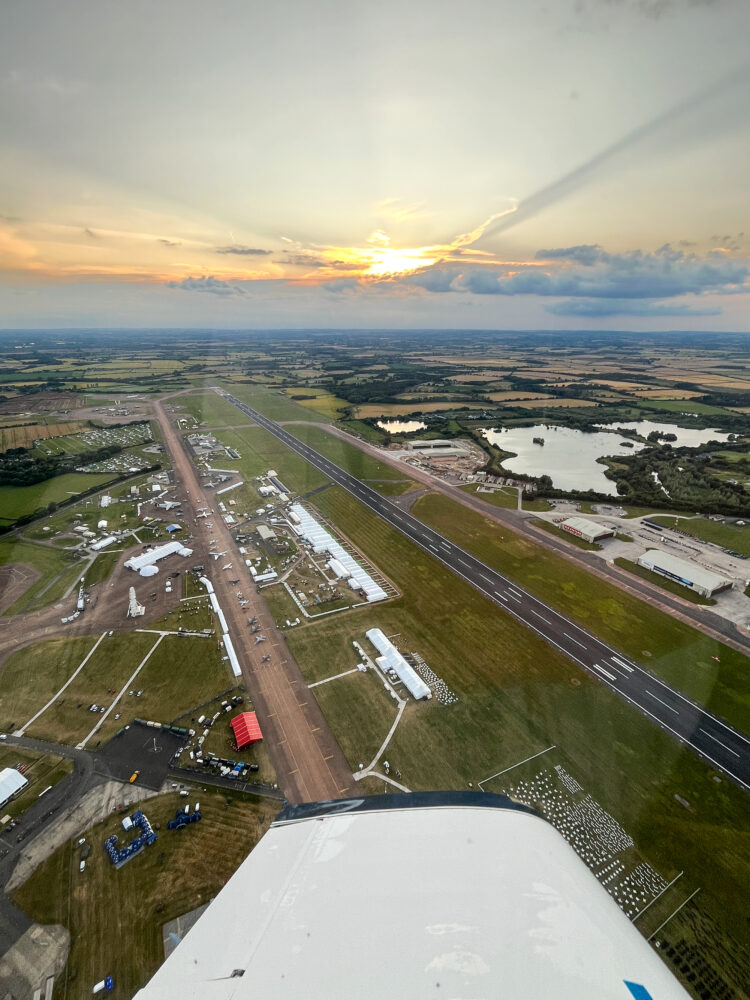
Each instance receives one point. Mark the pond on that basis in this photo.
(401, 426)
(687, 437)
(567, 456)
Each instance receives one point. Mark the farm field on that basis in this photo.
(517, 696)
(405, 409)
(327, 405)
(675, 651)
(25, 435)
(182, 870)
(17, 501)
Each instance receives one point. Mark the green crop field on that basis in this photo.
(727, 535)
(16, 501)
(679, 406)
(518, 696)
(678, 653)
(115, 917)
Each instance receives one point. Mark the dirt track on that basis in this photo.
(309, 763)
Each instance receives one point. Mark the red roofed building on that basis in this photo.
(246, 729)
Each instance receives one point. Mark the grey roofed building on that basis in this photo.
(701, 580)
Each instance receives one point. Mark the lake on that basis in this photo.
(568, 456)
(401, 426)
(687, 437)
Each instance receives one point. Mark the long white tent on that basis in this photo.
(323, 541)
(391, 659)
(154, 555)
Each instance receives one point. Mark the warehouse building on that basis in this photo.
(702, 581)
(589, 531)
(12, 782)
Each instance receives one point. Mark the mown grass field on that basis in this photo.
(661, 581)
(181, 673)
(48, 562)
(675, 651)
(16, 501)
(41, 770)
(379, 475)
(115, 917)
(507, 498)
(273, 403)
(728, 536)
(209, 408)
(518, 696)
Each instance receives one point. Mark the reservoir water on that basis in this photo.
(687, 437)
(567, 456)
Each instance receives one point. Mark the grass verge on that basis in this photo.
(115, 918)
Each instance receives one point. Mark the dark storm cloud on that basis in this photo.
(624, 307)
(207, 283)
(241, 251)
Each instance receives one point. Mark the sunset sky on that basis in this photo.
(554, 164)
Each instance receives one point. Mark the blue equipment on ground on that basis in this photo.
(121, 855)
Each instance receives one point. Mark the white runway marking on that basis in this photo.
(706, 733)
(652, 695)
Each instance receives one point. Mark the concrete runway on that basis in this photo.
(719, 744)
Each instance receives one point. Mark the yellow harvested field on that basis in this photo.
(24, 437)
(403, 409)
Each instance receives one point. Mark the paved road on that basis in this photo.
(718, 743)
(309, 763)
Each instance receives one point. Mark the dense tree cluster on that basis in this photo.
(19, 467)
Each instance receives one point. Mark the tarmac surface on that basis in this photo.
(715, 741)
(309, 763)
